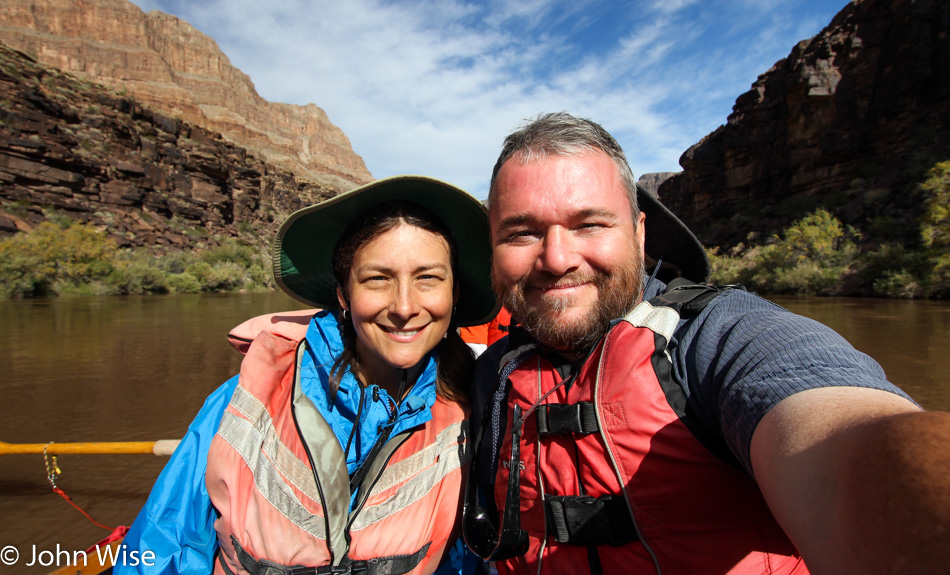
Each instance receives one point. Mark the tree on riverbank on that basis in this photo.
(62, 257)
(818, 255)
(815, 255)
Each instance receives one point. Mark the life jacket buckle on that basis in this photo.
(577, 418)
(352, 568)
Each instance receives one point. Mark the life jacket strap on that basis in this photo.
(579, 418)
(389, 565)
(586, 520)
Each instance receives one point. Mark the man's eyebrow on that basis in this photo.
(516, 220)
(523, 218)
(594, 213)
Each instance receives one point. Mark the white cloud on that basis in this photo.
(433, 86)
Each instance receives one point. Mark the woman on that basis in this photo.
(341, 446)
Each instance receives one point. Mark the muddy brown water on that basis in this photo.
(139, 368)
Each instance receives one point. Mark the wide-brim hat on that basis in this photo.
(669, 239)
(303, 249)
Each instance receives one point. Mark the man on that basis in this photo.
(709, 431)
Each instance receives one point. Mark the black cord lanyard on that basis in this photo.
(360, 474)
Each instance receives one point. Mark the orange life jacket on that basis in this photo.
(614, 438)
(488, 333)
(277, 475)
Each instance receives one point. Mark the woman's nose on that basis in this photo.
(405, 303)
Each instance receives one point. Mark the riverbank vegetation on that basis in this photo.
(61, 257)
(819, 255)
(815, 255)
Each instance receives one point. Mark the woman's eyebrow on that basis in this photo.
(382, 267)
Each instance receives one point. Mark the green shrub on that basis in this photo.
(176, 262)
(230, 251)
(940, 277)
(139, 277)
(935, 227)
(807, 276)
(52, 257)
(184, 283)
(222, 276)
(93, 288)
(811, 257)
(62, 257)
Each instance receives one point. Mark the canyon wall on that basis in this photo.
(169, 66)
(100, 157)
(849, 121)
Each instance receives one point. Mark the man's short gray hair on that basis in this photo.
(561, 134)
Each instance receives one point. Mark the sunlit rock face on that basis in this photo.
(83, 151)
(849, 121)
(171, 67)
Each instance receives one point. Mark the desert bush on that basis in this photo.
(52, 258)
(935, 227)
(184, 283)
(810, 257)
(138, 273)
(61, 257)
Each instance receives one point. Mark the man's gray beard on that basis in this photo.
(617, 293)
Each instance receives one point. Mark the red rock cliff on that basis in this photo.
(170, 66)
(849, 121)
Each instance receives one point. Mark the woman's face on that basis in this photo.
(401, 294)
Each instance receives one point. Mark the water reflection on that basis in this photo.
(139, 368)
(104, 369)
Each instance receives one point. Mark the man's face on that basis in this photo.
(567, 253)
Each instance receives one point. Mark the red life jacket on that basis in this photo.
(277, 476)
(676, 508)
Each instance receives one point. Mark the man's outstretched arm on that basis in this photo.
(859, 479)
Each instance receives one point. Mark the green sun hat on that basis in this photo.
(303, 249)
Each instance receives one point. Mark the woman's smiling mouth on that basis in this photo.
(402, 333)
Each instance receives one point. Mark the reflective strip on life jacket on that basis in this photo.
(277, 477)
(250, 441)
(421, 483)
(661, 320)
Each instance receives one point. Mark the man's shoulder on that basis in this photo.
(709, 302)
(485, 376)
(735, 315)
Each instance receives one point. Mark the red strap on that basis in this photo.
(67, 498)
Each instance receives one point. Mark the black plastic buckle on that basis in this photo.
(354, 567)
(578, 418)
(586, 520)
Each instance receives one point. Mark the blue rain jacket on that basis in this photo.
(177, 523)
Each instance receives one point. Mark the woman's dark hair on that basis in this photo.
(456, 360)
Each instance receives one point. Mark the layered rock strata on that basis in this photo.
(171, 67)
(148, 178)
(849, 121)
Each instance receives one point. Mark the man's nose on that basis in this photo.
(559, 253)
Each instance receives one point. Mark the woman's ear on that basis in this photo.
(341, 298)
(455, 295)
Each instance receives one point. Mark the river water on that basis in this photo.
(139, 368)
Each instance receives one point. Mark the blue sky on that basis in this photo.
(433, 86)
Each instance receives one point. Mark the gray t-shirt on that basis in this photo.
(743, 354)
(736, 360)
